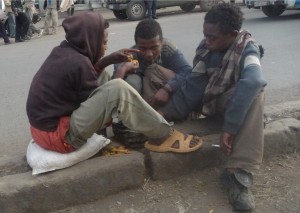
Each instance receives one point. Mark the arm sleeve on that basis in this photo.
(84, 78)
(178, 64)
(250, 84)
(187, 98)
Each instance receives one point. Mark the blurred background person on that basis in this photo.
(11, 19)
(30, 10)
(67, 5)
(3, 33)
(151, 8)
(51, 16)
(22, 22)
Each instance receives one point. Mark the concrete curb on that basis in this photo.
(281, 136)
(102, 176)
(87, 181)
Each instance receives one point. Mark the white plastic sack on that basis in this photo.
(42, 160)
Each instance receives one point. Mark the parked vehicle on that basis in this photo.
(206, 5)
(273, 8)
(136, 9)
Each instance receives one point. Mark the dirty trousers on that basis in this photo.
(247, 152)
(153, 79)
(115, 99)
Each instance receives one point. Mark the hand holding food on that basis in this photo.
(134, 61)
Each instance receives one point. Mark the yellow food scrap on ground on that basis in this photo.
(114, 150)
(211, 211)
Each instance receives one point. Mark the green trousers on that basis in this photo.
(115, 99)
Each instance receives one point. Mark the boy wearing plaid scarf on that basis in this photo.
(226, 82)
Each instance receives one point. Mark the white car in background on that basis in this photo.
(273, 8)
(136, 9)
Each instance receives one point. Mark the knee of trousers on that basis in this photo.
(135, 81)
(118, 84)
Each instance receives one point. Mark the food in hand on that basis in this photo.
(134, 61)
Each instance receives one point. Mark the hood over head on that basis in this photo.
(84, 32)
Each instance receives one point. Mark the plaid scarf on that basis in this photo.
(225, 77)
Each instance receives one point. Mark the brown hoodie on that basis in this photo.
(67, 77)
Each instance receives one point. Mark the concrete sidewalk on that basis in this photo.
(102, 176)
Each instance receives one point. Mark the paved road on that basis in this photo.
(19, 62)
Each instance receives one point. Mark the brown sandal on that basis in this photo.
(177, 142)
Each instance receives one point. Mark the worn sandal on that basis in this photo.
(178, 142)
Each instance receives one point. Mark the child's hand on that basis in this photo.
(123, 55)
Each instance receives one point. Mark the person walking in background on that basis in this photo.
(151, 8)
(11, 18)
(30, 10)
(51, 16)
(22, 22)
(67, 5)
(3, 33)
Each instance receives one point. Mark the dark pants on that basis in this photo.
(3, 32)
(22, 25)
(12, 24)
(151, 8)
(70, 11)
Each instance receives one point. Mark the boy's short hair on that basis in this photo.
(229, 17)
(148, 29)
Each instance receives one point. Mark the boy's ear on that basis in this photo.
(235, 33)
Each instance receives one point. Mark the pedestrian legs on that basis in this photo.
(3, 33)
(32, 28)
(11, 24)
(51, 16)
(22, 25)
(149, 8)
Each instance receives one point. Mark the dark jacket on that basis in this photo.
(67, 77)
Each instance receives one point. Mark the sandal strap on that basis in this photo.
(184, 143)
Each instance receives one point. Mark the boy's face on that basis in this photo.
(149, 49)
(103, 46)
(215, 40)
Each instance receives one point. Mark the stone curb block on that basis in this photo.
(165, 166)
(281, 136)
(87, 181)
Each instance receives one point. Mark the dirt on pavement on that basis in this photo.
(276, 190)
